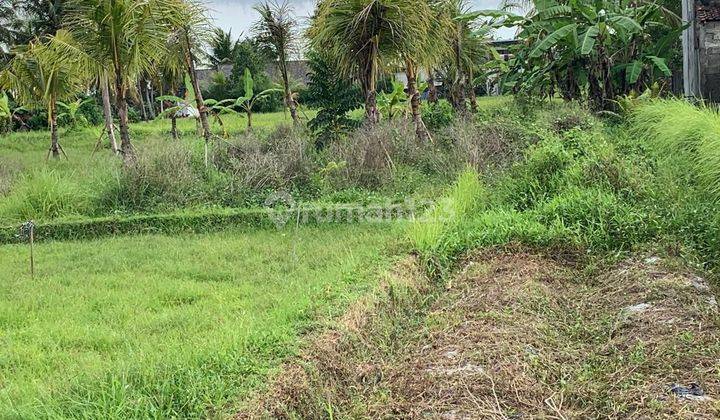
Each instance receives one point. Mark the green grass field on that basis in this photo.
(28, 150)
(160, 327)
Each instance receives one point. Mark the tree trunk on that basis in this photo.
(459, 84)
(420, 128)
(369, 84)
(52, 119)
(289, 101)
(107, 111)
(249, 116)
(149, 101)
(471, 92)
(142, 101)
(173, 126)
(126, 148)
(199, 102)
(432, 92)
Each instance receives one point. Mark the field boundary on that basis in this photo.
(206, 221)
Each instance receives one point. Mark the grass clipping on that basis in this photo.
(518, 335)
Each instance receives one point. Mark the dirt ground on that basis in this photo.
(516, 335)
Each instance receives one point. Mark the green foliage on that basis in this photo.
(73, 114)
(438, 115)
(44, 195)
(334, 95)
(597, 189)
(685, 138)
(5, 113)
(593, 50)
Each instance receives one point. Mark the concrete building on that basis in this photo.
(298, 71)
(701, 48)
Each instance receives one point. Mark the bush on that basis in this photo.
(437, 115)
(149, 185)
(283, 161)
(484, 145)
(366, 156)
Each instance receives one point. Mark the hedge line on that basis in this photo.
(201, 222)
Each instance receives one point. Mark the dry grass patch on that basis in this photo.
(521, 336)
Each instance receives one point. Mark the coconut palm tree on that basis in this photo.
(427, 51)
(191, 30)
(276, 29)
(365, 35)
(40, 76)
(124, 38)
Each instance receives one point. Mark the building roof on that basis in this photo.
(709, 12)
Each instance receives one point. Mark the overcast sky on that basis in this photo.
(239, 15)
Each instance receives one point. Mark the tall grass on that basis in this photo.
(45, 194)
(588, 186)
(685, 136)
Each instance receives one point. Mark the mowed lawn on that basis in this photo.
(158, 326)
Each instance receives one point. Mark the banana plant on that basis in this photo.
(5, 112)
(393, 102)
(247, 102)
(597, 49)
(71, 113)
(182, 107)
(218, 108)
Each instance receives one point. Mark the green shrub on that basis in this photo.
(437, 115)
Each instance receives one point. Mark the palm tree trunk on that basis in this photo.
(149, 101)
(289, 101)
(369, 83)
(433, 92)
(459, 84)
(420, 128)
(107, 112)
(249, 117)
(173, 126)
(54, 142)
(142, 101)
(471, 92)
(126, 148)
(199, 102)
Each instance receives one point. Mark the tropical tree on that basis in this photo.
(276, 29)
(247, 102)
(394, 102)
(121, 39)
(40, 76)
(223, 48)
(216, 109)
(192, 29)
(363, 36)
(180, 106)
(334, 96)
(70, 112)
(598, 49)
(9, 23)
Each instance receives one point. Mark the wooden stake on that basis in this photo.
(32, 250)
